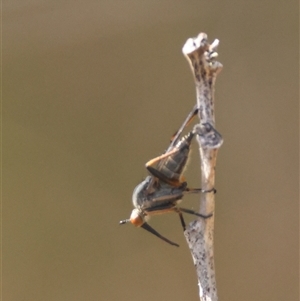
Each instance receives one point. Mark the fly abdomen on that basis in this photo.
(173, 166)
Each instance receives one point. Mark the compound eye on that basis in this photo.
(136, 218)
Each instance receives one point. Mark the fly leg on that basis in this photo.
(170, 151)
(187, 121)
(181, 219)
(197, 190)
(159, 158)
(194, 212)
(179, 210)
(174, 139)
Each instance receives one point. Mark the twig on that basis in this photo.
(200, 233)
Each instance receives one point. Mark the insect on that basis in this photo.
(161, 191)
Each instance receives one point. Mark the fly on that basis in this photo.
(161, 191)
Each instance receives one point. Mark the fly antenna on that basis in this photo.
(124, 221)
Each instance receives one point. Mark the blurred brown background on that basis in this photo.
(94, 89)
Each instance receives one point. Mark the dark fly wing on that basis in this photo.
(162, 177)
(151, 230)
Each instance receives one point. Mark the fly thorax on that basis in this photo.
(139, 193)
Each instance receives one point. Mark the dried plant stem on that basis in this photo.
(200, 233)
